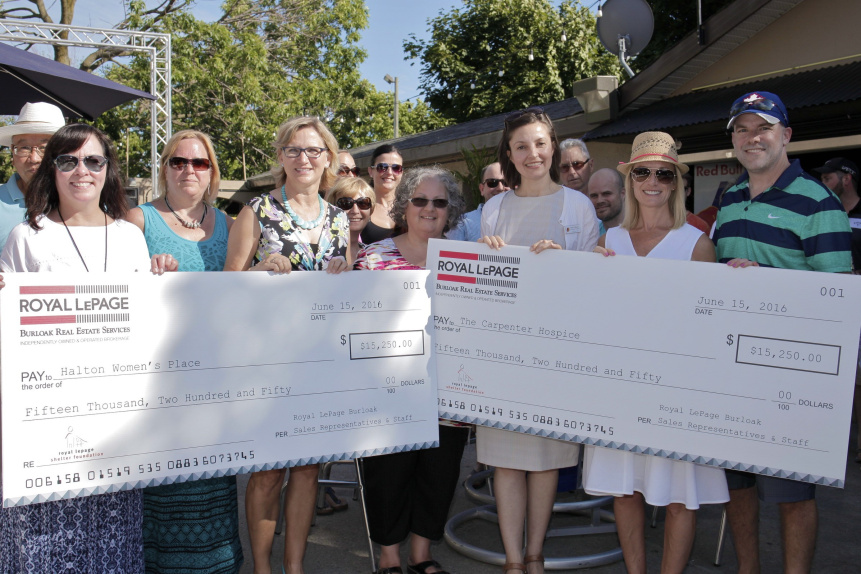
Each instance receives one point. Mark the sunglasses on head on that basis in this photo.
(763, 105)
(197, 163)
(345, 169)
(493, 182)
(396, 168)
(534, 110)
(575, 165)
(346, 203)
(423, 201)
(641, 174)
(67, 162)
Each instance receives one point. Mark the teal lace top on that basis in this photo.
(207, 255)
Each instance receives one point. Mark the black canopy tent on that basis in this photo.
(26, 77)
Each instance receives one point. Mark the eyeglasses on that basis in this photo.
(493, 182)
(575, 165)
(197, 163)
(762, 104)
(423, 201)
(310, 152)
(534, 110)
(346, 203)
(26, 150)
(67, 162)
(641, 174)
(395, 167)
(345, 169)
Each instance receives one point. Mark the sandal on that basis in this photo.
(390, 570)
(421, 567)
(333, 501)
(535, 558)
(513, 566)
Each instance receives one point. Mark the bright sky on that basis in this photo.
(391, 21)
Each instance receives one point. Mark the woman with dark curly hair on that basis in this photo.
(410, 492)
(75, 206)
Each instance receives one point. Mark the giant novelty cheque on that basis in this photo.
(751, 369)
(117, 381)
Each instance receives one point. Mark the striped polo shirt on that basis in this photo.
(797, 223)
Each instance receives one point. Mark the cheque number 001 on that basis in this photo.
(831, 292)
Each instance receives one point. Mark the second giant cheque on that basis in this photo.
(751, 369)
(113, 381)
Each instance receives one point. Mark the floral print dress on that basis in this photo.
(279, 235)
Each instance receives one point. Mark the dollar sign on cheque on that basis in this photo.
(343, 339)
(729, 340)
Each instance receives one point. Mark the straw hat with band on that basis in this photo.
(35, 118)
(653, 146)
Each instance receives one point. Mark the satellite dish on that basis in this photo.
(625, 28)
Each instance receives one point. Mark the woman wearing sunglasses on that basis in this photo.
(386, 169)
(75, 209)
(409, 493)
(542, 214)
(357, 199)
(654, 226)
(183, 222)
(289, 229)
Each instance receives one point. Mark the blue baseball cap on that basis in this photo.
(764, 104)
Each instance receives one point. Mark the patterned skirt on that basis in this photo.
(192, 527)
(98, 534)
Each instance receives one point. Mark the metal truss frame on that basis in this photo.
(157, 46)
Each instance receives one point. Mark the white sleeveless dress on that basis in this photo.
(661, 481)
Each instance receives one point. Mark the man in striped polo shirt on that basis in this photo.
(775, 216)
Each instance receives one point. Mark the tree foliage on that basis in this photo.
(239, 77)
(472, 45)
(673, 21)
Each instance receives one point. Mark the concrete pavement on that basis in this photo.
(338, 544)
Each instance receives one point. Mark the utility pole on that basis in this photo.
(394, 81)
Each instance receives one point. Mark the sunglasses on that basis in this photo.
(396, 168)
(575, 165)
(197, 163)
(534, 110)
(763, 105)
(493, 182)
(641, 174)
(311, 152)
(345, 169)
(67, 162)
(423, 201)
(346, 203)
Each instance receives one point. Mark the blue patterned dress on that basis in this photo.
(191, 527)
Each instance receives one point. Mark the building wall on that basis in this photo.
(813, 34)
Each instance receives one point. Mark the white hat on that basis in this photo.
(37, 118)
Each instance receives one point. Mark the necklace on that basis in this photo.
(298, 220)
(76, 245)
(186, 224)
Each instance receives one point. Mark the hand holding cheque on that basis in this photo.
(750, 369)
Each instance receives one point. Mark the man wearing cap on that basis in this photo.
(840, 175)
(492, 183)
(27, 137)
(775, 216)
